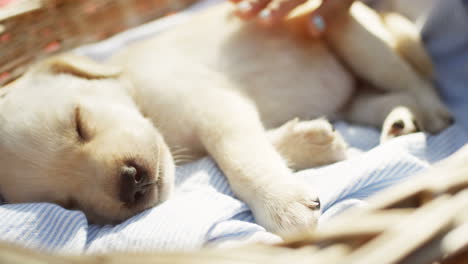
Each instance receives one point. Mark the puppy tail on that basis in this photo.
(408, 43)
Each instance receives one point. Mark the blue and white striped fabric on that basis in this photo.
(203, 212)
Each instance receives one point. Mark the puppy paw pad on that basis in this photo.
(314, 204)
(401, 121)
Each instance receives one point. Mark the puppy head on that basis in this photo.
(71, 134)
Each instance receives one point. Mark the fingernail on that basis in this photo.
(244, 6)
(265, 14)
(319, 23)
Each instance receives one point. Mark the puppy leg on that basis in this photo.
(373, 108)
(233, 135)
(307, 144)
(408, 44)
(414, 10)
(365, 44)
(398, 113)
(362, 40)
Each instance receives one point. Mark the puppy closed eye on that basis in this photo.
(80, 128)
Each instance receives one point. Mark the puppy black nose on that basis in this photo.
(134, 184)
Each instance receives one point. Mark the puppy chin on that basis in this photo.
(164, 187)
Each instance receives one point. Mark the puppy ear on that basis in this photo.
(79, 66)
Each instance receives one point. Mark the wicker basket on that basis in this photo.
(422, 221)
(33, 29)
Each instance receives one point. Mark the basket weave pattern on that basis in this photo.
(33, 29)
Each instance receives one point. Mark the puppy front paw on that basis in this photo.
(306, 144)
(287, 208)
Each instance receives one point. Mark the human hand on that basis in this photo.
(272, 12)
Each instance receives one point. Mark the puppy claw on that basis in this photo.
(438, 121)
(433, 115)
(289, 209)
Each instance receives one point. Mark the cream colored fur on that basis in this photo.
(216, 86)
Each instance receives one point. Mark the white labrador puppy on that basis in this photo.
(105, 139)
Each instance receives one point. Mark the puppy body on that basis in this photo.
(221, 87)
(218, 80)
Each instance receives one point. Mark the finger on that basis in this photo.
(317, 22)
(316, 25)
(277, 10)
(329, 8)
(250, 8)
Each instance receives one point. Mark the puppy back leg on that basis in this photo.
(233, 135)
(398, 113)
(364, 43)
(408, 43)
(361, 39)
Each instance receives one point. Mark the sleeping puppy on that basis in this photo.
(105, 139)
